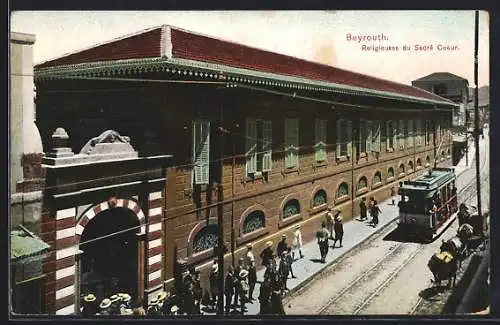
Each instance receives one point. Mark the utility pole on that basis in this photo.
(476, 117)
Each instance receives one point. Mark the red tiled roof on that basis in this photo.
(188, 45)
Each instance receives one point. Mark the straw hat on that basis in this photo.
(105, 303)
(174, 309)
(243, 273)
(297, 227)
(114, 298)
(154, 302)
(215, 267)
(126, 311)
(283, 236)
(89, 298)
(125, 297)
(161, 296)
(269, 244)
(249, 245)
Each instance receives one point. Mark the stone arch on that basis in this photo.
(196, 229)
(359, 179)
(411, 166)
(250, 210)
(419, 162)
(391, 168)
(338, 188)
(427, 161)
(401, 168)
(90, 213)
(375, 174)
(315, 191)
(285, 201)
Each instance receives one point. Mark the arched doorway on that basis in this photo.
(110, 253)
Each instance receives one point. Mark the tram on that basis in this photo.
(429, 203)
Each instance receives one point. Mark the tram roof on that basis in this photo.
(430, 181)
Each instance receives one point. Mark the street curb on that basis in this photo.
(357, 244)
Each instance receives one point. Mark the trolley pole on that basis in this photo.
(476, 117)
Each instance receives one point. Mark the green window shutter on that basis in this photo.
(410, 134)
(383, 134)
(349, 136)
(251, 145)
(394, 134)
(201, 151)
(368, 136)
(339, 137)
(376, 136)
(320, 140)
(389, 134)
(417, 133)
(291, 144)
(267, 133)
(401, 134)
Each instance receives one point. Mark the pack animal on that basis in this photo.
(443, 267)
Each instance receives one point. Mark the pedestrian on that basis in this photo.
(229, 288)
(198, 292)
(277, 302)
(243, 289)
(252, 280)
(282, 246)
(454, 197)
(267, 253)
(115, 304)
(339, 229)
(163, 302)
(265, 297)
(362, 208)
(250, 258)
(283, 270)
(297, 242)
(271, 272)
(125, 299)
(89, 305)
(240, 267)
(104, 307)
(214, 281)
(153, 308)
(375, 213)
(174, 311)
(463, 214)
(290, 260)
(322, 236)
(330, 222)
(394, 193)
(188, 300)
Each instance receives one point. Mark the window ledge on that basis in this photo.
(342, 159)
(317, 164)
(401, 175)
(287, 221)
(201, 256)
(377, 185)
(318, 208)
(363, 155)
(418, 168)
(254, 177)
(390, 149)
(290, 170)
(427, 165)
(342, 199)
(390, 179)
(410, 171)
(245, 238)
(362, 191)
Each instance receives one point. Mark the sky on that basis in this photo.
(329, 37)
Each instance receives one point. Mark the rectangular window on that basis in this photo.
(258, 146)
(391, 134)
(409, 134)
(362, 136)
(427, 132)
(201, 151)
(344, 138)
(320, 140)
(291, 143)
(401, 134)
(375, 136)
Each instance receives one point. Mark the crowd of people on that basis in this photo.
(188, 298)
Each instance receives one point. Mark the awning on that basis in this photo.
(26, 246)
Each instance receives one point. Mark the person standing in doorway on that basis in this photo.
(339, 229)
(362, 209)
(297, 242)
(330, 221)
(322, 236)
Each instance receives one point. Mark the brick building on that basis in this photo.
(264, 140)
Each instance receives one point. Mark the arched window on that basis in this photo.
(343, 190)
(390, 172)
(401, 168)
(427, 161)
(410, 165)
(291, 208)
(363, 183)
(419, 162)
(377, 178)
(443, 154)
(319, 198)
(206, 238)
(254, 221)
(448, 153)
